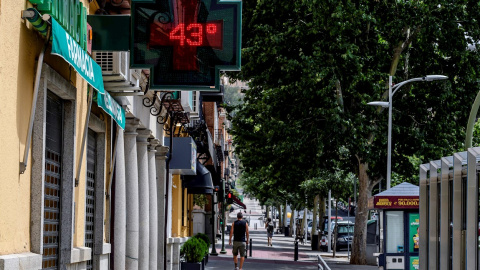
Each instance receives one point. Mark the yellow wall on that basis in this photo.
(19, 48)
(177, 229)
(176, 206)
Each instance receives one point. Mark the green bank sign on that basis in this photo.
(70, 14)
(66, 47)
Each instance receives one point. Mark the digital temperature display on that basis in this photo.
(186, 42)
(184, 38)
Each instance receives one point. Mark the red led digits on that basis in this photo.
(211, 28)
(193, 33)
(180, 36)
(185, 38)
(198, 34)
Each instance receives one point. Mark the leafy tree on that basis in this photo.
(312, 67)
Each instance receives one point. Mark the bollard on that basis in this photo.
(250, 247)
(295, 255)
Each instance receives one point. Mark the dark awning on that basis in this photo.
(215, 175)
(200, 183)
(213, 96)
(238, 202)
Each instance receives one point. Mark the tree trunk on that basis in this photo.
(304, 221)
(360, 229)
(267, 209)
(285, 215)
(292, 223)
(280, 217)
(314, 221)
(321, 211)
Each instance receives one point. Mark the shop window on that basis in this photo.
(395, 231)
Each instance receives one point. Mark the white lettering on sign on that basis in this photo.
(80, 57)
(114, 108)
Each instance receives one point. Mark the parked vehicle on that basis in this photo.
(324, 239)
(344, 237)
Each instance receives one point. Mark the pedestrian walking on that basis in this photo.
(269, 226)
(240, 235)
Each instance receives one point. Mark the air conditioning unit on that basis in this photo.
(195, 108)
(118, 78)
(186, 98)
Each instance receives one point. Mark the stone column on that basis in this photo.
(120, 207)
(131, 174)
(160, 162)
(153, 207)
(143, 193)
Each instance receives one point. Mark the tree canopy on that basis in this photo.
(312, 66)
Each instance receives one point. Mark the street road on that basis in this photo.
(281, 255)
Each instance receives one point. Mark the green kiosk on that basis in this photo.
(398, 227)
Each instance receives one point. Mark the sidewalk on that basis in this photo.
(279, 256)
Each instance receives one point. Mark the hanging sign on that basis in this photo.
(186, 42)
(110, 106)
(66, 47)
(70, 14)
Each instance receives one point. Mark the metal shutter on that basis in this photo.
(90, 196)
(52, 190)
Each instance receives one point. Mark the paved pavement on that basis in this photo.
(280, 255)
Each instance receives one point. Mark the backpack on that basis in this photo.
(270, 227)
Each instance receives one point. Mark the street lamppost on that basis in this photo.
(391, 91)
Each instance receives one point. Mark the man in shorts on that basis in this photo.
(239, 231)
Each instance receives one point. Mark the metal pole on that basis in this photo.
(214, 250)
(329, 237)
(251, 244)
(85, 134)
(348, 232)
(295, 254)
(223, 251)
(471, 122)
(389, 154)
(23, 165)
(355, 191)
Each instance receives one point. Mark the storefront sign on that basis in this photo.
(66, 47)
(396, 202)
(71, 15)
(110, 106)
(186, 43)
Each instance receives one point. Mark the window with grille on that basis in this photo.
(90, 194)
(52, 190)
(194, 101)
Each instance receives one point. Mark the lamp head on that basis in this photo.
(379, 103)
(430, 78)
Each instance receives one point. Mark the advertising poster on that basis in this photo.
(414, 263)
(413, 224)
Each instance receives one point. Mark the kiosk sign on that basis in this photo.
(396, 202)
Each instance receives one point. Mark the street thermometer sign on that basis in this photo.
(186, 43)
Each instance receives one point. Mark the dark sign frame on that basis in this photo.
(210, 59)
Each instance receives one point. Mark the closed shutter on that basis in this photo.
(52, 190)
(90, 196)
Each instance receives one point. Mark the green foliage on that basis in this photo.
(306, 106)
(205, 238)
(200, 199)
(194, 249)
(312, 66)
(476, 134)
